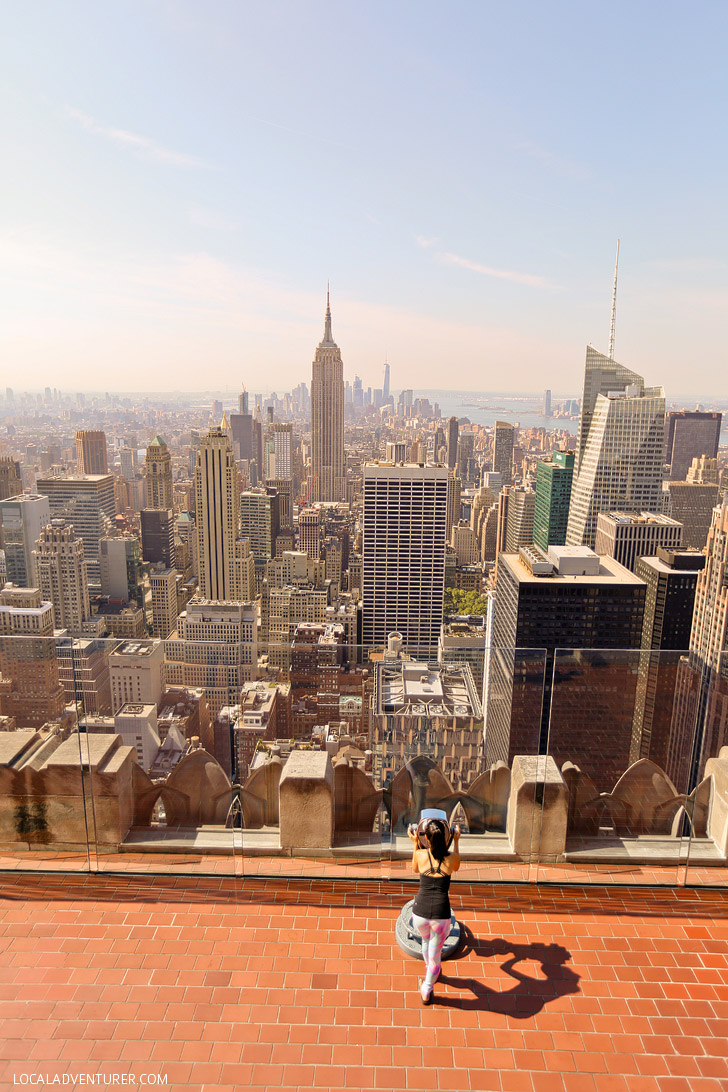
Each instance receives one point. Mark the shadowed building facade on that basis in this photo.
(575, 602)
(158, 546)
(671, 578)
(503, 441)
(692, 504)
(688, 435)
(702, 688)
(11, 482)
(91, 456)
(453, 430)
(30, 689)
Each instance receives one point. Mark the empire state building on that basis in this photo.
(327, 419)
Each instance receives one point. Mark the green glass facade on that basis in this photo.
(553, 494)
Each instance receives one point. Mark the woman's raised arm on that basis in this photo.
(455, 855)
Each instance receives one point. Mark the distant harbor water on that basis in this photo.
(484, 408)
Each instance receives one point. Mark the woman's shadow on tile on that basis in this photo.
(529, 994)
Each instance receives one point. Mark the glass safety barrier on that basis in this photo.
(312, 757)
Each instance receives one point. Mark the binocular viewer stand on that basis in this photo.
(408, 939)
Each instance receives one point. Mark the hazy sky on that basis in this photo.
(181, 178)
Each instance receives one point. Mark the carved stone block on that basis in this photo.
(717, 769)
(306, 801)
(537, 808)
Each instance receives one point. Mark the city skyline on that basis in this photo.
(463, 210)
(463, 556)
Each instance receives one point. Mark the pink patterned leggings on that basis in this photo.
(434, 933)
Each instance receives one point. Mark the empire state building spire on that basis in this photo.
(328, 340)
(327, 418)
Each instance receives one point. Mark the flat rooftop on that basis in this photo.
(464, 625)
(136, 648)
(221, 983)
(610, 572)
(661, 566)
(75, 479)
(636, 518)
(383, 466)
(416, 688)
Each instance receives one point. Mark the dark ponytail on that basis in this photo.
(435, 831)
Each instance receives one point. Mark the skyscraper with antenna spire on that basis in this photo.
(327, 418)
(621, 460)
(602, 374)
(385, 387)
(620, 449)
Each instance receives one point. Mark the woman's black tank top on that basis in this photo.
(433, 900)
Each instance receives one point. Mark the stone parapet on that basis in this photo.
(717, 770)
(88, 789)
(537, 809)
(60, 794)
(307, 801)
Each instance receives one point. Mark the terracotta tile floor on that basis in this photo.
(290, 983)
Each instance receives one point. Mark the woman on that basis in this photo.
(431, 911)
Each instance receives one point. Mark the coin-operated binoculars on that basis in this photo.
(407, 936)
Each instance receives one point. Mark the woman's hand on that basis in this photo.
(455, 857)
(412, 832)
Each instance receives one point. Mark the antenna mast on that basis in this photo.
(614, 307)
